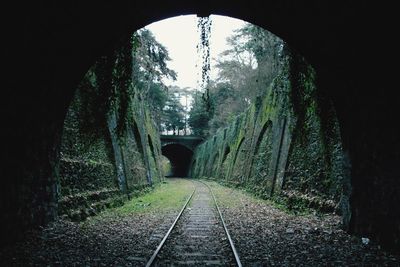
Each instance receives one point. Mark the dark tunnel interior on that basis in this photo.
(180, 158)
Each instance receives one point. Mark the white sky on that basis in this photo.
(179, 35)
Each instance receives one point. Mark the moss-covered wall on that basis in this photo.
(103, 172)
(286, 145)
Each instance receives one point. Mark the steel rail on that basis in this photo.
(153, 257)
(235, 253)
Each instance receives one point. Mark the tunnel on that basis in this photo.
(179, 157)
(58, 42)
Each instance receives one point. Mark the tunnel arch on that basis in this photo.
(317, 31)
(180, 157)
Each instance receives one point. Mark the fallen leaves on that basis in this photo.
(266, 236)
(102, 241)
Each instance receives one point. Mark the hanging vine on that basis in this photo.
(203, 50)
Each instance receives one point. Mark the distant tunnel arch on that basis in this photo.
(180, 157)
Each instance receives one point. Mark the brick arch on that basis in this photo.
(164, 144)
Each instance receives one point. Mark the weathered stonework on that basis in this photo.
(107, 171)
(285, 145)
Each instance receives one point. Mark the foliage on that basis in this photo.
(149, 63)
(91, 102)
(157, 98)
(122, 86)
(149, 69)
(245, 69)
(199, 115)
(105, 87)
(226, 105)
(173, 114)
(137, 65)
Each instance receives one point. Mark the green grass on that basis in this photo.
(167, 196)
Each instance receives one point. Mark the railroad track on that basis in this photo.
(198, 236)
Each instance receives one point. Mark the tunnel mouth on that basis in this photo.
(180, 157)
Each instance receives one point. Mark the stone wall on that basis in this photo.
(99, 173)
(286, 146)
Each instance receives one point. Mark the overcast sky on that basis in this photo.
(179, 35)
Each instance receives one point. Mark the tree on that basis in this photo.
(174, 114)
(199, 115)
(157, 98)
(255, 51)
(149, 70)
(185, 95)
(149, 62)
(245, 69)
(226, 104)
(137, 65)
